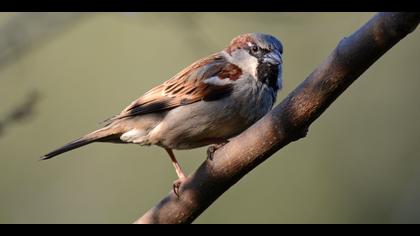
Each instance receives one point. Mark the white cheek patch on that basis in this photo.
(132, 136)
(215, 80)
(244, 60)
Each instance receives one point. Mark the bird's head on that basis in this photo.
(259, 55)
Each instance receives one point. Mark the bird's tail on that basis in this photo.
(100, 135)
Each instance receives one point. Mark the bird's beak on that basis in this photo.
(274, 58)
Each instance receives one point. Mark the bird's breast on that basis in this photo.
(196, 124)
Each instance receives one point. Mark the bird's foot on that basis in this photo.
(213, 148)
(177, 184)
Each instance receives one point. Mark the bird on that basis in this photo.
(209, 102)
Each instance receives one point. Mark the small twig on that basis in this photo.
(23, 31)
(21, 111)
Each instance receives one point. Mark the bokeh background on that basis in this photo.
(62, 73)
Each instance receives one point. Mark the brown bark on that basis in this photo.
(287, 122)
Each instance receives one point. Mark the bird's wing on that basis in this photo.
(208, 79)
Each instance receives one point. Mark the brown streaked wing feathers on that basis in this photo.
(186, 87)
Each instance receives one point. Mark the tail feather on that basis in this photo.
(96, 136)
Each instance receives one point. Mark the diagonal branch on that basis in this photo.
(287, 122)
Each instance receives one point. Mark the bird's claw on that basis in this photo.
(213, 148)
(176, 185)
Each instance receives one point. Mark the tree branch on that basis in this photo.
(287, 122)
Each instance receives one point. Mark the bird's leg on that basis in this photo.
(178, 170)
(213, 148)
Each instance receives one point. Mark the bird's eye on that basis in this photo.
(254, 48)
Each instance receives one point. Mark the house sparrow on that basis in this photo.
(207, 103)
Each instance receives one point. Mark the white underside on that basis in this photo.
(133, 136)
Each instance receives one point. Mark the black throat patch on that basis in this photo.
(268, 73)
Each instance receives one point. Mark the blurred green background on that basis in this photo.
(359, 164)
